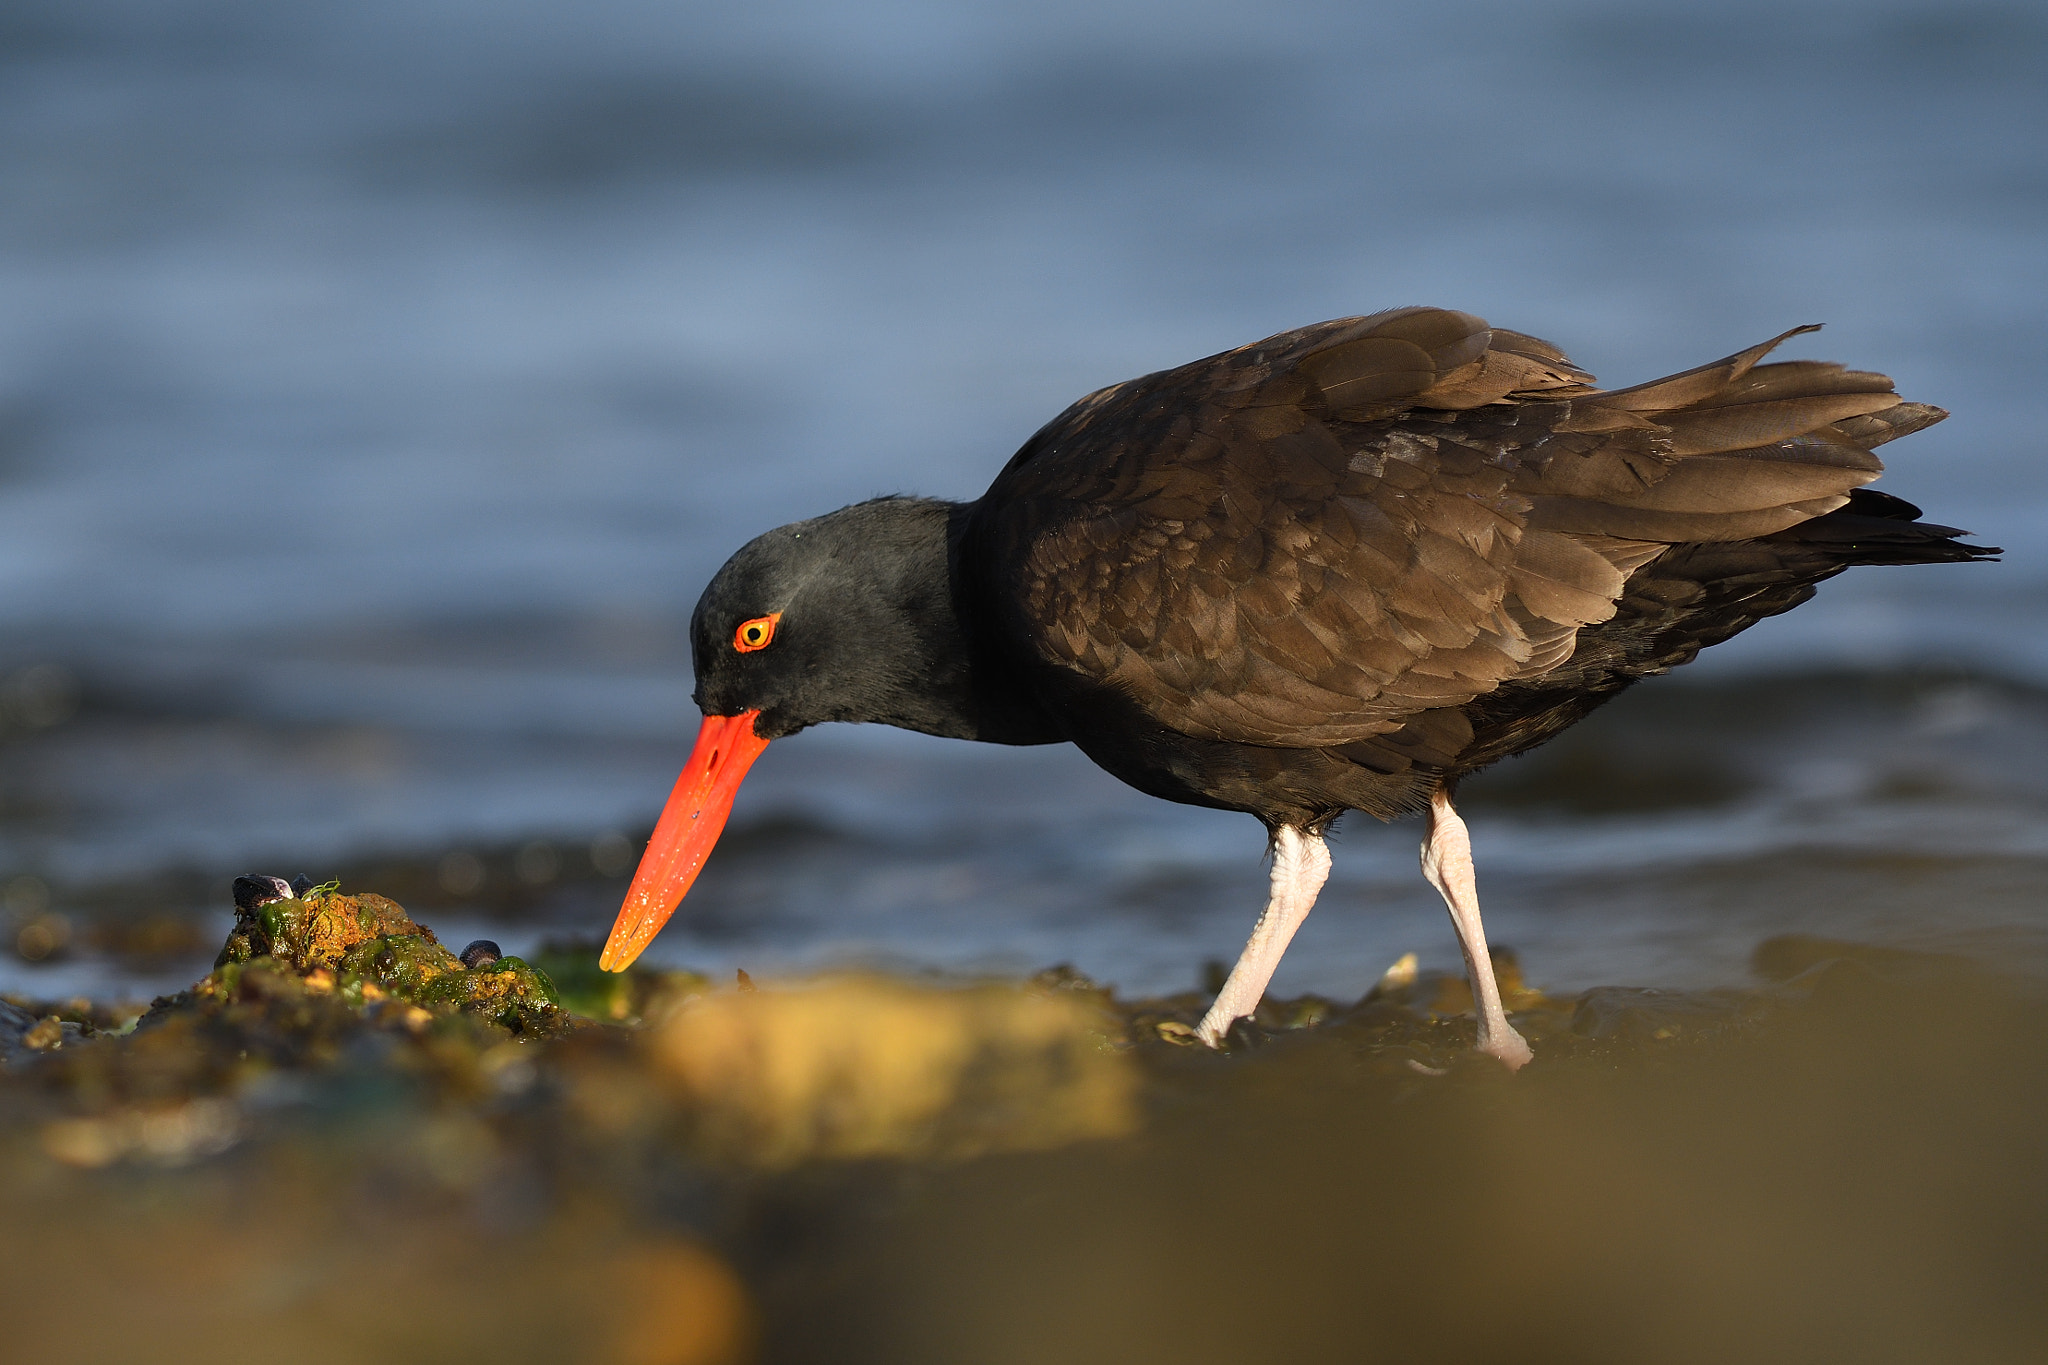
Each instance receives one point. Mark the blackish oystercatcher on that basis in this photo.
(1334, 570)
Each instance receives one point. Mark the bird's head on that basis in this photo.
(842, 617)
(800, 627)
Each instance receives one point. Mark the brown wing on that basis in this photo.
(1306, 540)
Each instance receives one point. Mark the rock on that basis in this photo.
(365, 948)
(23, 1033)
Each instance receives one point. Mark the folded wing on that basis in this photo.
(1309, 540)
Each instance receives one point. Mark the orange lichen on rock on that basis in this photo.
(317, 931)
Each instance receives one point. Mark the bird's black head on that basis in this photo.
(847, 616)
(844, 617)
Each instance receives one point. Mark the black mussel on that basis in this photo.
(301, 884)
(252, 891)
(481, 953)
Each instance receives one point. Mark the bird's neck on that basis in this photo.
(931, 667)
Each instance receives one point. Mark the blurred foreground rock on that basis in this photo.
(344, 1144)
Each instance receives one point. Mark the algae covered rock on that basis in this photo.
(366, 949)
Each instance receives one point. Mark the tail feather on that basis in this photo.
(1874, 429)
(1698, 595)
(1691, 386)
(1745, 481)
(1877, 528)
(1736, 450)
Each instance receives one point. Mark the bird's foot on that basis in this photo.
(1507, 1047)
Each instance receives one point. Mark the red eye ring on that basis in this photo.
(755, 634)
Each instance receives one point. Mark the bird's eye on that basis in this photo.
(755, 634)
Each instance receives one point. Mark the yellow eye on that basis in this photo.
(755, 634)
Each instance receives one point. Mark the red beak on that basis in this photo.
(690, 824)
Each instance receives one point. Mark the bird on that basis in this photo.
(1338, 569)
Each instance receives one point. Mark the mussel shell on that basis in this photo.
(255, 889)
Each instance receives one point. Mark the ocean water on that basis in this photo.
(380, 383)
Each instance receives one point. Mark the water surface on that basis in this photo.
(380, 383)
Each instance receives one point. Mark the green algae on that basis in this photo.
(587, 989)
(509, 992)
(406, 965)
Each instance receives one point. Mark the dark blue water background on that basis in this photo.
(380, 382)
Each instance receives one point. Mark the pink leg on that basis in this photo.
(1447, 862)
(1301, 864)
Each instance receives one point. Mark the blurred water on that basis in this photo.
(379, 383)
